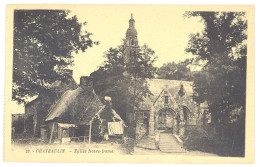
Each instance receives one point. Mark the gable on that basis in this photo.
(157, 88)
(157, 85)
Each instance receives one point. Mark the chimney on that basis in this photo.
(68, 73)
(86, 82)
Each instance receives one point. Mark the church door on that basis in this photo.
(165, 119)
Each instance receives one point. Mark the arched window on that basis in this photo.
(186, 113)
(133, 42)
(166, 100)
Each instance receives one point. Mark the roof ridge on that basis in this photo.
(56, 102)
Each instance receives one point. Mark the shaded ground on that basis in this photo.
(148, 146)
(205, 139)
(147, 143)
(196, 142)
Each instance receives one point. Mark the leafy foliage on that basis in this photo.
(223, 45)
(126, 85)
(44, 41)
(224, 31)
(175, 71)
(222, 81)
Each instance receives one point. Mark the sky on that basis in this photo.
(162, 28)
(91, 65)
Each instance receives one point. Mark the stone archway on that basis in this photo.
(166, 119)
(186, 114)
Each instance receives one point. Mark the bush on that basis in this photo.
(208, 139)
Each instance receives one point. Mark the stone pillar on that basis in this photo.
(174, 130)
(181, 129)
(151, 122)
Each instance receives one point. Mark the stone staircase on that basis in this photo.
(169, 144)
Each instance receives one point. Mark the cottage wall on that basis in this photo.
(37, 110)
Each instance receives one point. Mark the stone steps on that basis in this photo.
(168, 143)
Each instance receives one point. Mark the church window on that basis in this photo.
(166, 100)
(133, 42)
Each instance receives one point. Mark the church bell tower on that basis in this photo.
(131, 43)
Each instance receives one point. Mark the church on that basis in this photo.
(170, 108)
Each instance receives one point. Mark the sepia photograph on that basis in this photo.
(137, 81)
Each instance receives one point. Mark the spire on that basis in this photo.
(131, 22)
(131, 42)
(131, 31)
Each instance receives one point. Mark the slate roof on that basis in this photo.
(157, 85)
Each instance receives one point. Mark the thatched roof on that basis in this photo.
(84, 103)
(52, 93)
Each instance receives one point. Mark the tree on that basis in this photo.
(175, 71)
(146, 60)
(222, 81)
(126, 86)
(224, 31)
(167, 71)
(44, 41)
(201, 81)
(222, 45)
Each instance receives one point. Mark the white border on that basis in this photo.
(198, 2)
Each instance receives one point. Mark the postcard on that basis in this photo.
(129, 84)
